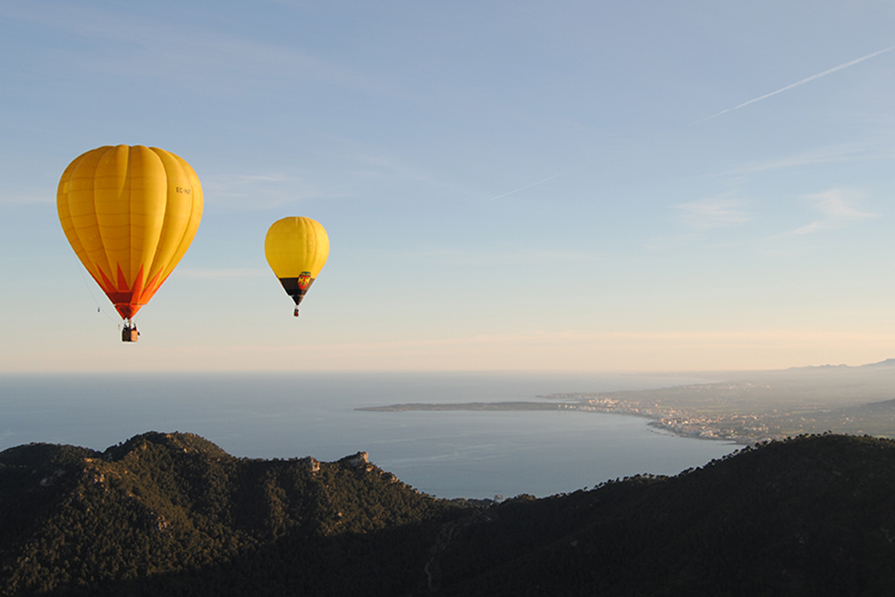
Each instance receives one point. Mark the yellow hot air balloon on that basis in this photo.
(296, 249)
(130, 213)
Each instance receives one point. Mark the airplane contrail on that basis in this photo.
(803, 81)
(528, 186)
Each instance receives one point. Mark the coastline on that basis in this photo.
(658, 422)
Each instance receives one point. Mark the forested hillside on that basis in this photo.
(172, 514)
(813, 515)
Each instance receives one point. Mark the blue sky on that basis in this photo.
(595, 186)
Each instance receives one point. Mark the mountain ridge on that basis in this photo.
(884, 363)
(173, 514)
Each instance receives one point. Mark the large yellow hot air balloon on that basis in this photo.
(296, 249)
(130, 213)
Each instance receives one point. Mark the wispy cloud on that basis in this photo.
(131, 44)
(528, 186)
(222, 274)
(47, 195)
(712, 213)
(258, 191)
(833, 154)
(838, 208)
(803, 81)
(367, 165)
(497, 257)
(374, 163)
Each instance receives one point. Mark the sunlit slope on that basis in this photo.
(164, 506)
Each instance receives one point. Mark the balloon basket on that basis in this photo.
(129, 334)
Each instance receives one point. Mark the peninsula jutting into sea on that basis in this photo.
(742, 407)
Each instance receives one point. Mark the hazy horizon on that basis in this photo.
(509, 372)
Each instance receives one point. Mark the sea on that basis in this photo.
(447, 454)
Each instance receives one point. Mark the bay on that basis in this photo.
(292, 415)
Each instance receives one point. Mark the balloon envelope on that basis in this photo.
(130, 213)
(296, 249)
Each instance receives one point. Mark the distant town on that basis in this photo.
(745, 408)
(745, 429)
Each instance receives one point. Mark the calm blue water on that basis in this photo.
(447, 454)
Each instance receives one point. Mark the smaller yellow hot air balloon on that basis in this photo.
(296, 249)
